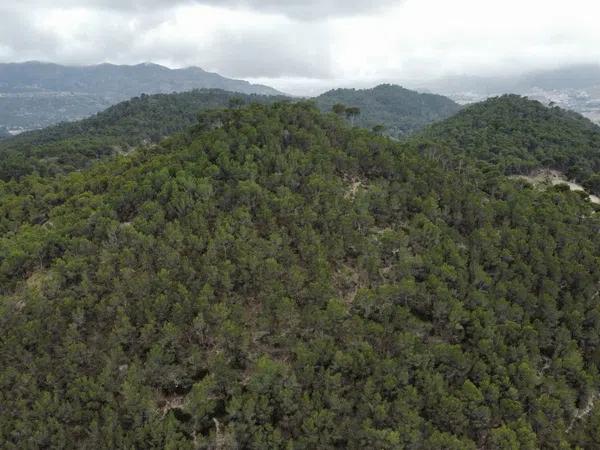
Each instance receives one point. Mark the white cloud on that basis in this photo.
(308, 45)
(238, 43)
(432, 37)
(297, 9)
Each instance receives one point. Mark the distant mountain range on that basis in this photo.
(34, 94)
(574, 87)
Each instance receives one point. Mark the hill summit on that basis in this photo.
(401, 111)
(518, 135)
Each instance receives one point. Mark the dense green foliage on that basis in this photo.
(273, 279)
(517, 135)
(400, 111)
(148, 119)
(141, 120)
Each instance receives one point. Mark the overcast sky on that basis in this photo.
(307, 46)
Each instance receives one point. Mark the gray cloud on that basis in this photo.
(295, 9)
(19, 34)
(308, 9)
(277, 47)
(254, 53)
(276, 53)
(307, 43)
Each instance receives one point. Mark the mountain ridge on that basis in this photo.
(38, 94)
(51, 71)
(147, 119)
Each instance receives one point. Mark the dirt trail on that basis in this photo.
(554, 177)
(583, 413)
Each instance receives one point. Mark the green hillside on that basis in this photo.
(400, 111)
(274, 279)
(518, 135)
(148, 119)
(140, 121)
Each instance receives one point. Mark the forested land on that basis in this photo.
(141, 121)
(517, 135)
(148, 119)
(273, 278)
(397, 111)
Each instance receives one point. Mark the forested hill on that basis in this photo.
(149, 118)
(141, 120)
(517, 135)
(274, 279)
(401, 111)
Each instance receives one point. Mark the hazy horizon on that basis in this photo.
(306, 47)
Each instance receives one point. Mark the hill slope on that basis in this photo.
(518, 135)
(35, 95)
(272, 279)
(139, 121)
(147, 119)
(400, 111)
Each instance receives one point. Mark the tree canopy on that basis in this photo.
(143, 120)
(272, 278)
(517, 135)
(401, 111)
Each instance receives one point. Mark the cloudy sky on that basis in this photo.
(307, 46)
